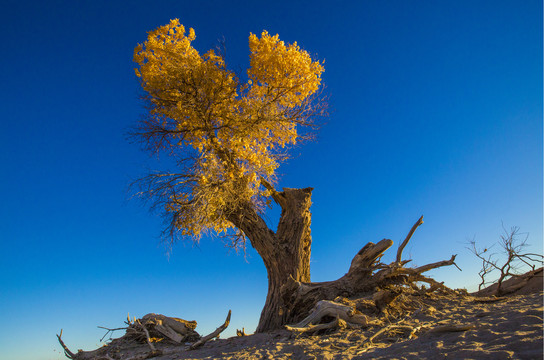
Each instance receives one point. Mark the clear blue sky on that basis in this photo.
(437, 110)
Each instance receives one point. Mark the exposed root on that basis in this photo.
(366, 275)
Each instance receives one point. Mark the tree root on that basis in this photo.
(366, 275)
(336, 323)
(343, 315)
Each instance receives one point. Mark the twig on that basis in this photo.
(109, 330)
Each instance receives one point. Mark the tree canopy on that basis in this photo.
(228, 136)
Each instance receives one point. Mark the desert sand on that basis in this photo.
(432, 325)
(508, 329)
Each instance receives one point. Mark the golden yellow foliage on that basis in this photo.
(226, 135)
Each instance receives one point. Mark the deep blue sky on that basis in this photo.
(437, 110)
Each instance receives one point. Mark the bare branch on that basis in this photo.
(512, 247)
(438, 264)
(109, 331)
(67, 351)
(408, 237)
(214, 334)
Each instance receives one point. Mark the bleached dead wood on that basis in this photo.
(146, 329)
(328, 308)
(336, 323)
(183, 327)
(169, 333)
(214, 334)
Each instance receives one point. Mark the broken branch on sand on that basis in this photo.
(214, 334)
(149, 329)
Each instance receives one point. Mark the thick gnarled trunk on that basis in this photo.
(285, 253)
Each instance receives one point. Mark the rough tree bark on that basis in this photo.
(286, 252)
(286, 255)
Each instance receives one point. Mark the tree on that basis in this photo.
(228, 138)
(512, 244)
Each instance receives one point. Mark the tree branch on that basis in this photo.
(438, 264)
(67, 351)
(278, 197)
(214, 334)
(408, 237)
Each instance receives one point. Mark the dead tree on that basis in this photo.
(512, 246)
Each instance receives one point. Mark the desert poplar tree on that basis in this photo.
(228, 137)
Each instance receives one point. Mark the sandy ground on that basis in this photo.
(453, 326)
(508, 329)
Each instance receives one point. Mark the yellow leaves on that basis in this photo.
(285, 71)
(236, 128)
